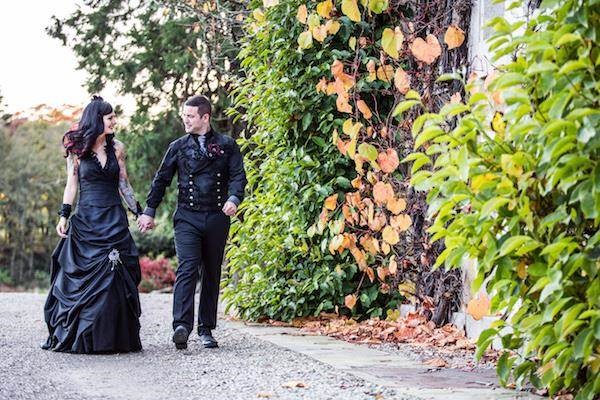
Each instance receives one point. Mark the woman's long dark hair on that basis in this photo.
(80, 140)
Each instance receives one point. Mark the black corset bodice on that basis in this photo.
(98, 185)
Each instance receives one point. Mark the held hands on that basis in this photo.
(229, 208)
(145, 223)
(62, 227)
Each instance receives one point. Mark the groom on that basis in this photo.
(211, 181)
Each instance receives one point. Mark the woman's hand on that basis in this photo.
(61, 228)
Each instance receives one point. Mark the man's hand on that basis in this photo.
(229, 208)
(145, 223)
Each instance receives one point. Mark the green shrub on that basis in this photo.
(515, 184)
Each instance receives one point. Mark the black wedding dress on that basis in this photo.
(93, 305)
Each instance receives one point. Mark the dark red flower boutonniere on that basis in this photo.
(214, 150)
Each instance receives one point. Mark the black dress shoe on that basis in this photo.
(207, 339)
(180, 337)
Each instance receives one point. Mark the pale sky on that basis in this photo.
(36, 68)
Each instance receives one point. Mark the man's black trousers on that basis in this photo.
(200, 238)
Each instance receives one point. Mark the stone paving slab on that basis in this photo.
(407, 376)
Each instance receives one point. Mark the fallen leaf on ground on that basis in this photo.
(295, 384)
(436, 362)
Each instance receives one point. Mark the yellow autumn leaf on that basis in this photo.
(477, 182)
(391, 41)
(407, 289)
(385, 248)
(390, 235)
(350, 9)
(387, 42)
(498, 124)
(332, 26)
(352, 43)
(372, 71)
(258, 15)
(350, 128)
(522, 270)
(313, 20)
(402, 81)
(305, 40)
(302, 14)
(364, 109)
(454, 37)
(324, 8)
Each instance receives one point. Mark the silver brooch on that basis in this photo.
(114, 258)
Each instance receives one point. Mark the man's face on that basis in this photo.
(194, 123)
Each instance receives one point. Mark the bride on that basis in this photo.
(93, 303)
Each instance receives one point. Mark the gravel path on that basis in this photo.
(244, 367)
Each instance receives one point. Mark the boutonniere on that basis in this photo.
(214, 150)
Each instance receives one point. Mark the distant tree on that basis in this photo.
(160, 52)
(31, 182)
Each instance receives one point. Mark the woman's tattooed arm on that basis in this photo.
(124, 186)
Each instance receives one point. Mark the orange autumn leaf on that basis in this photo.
(319, 33)
(390, 235)
(479, 307)
(385, 73)
(377, 222)
(357, 182)
(396, 205)
(322, 85)
(342, 146)
(382, 273)
(454, 37)
(388, 160)
(455, 98)
(350, 301)
(370, 274)
(364, 109)
(370, 244)
(382, 192)
(331, 202)
(402, 222)
(302, 13)
(402, 81)
(426, 50)
(393, 267)
(342, 104)
(360, 258)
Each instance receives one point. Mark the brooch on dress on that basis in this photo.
(114, 258)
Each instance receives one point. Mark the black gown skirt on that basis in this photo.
(93, 305)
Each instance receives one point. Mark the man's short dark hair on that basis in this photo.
(202, 102)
